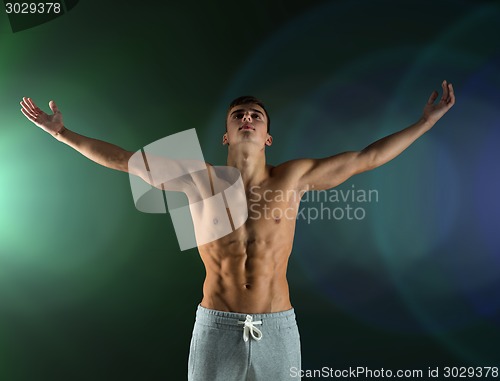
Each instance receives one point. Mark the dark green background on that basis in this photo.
(92, 289)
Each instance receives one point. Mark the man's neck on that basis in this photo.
(250, 161)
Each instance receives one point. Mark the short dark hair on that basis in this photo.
(246, 99)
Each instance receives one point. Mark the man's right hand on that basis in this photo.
(53, 124)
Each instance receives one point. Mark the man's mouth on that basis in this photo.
(247, 127)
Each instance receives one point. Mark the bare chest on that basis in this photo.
(261, 215)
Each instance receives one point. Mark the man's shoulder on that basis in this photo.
(293, 164)
(291, 168)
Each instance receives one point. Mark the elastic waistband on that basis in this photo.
(223, 319)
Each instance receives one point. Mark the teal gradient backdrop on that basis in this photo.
(90, 288)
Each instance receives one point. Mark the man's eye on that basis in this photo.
(256, 116)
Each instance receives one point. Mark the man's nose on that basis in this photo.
(247, 117)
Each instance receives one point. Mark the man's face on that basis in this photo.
(247, 124)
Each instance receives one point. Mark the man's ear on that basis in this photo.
(224, 139)
(269, 140)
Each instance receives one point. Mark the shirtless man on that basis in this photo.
(245, 325)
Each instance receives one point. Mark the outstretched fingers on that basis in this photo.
(28, 103)
(34, 106)
(448, 94)
(433, 97)
(31, 110)
(448, 97)
(28, 115)
(28, 108)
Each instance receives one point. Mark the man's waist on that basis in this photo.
(232, 320)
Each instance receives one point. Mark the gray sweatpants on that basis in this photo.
(228, 346)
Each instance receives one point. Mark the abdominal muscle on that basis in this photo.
(246, 273)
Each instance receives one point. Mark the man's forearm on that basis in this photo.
(386, 149)
(101, 152)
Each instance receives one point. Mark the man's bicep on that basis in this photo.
(326, 173)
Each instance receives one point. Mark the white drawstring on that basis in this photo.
(249, 327)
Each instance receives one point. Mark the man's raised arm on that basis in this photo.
(331, 171)
(169, 174)
(103, 153)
